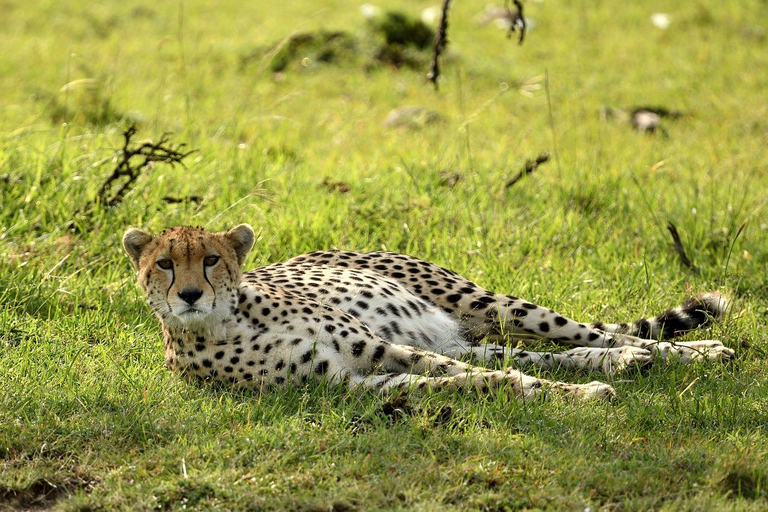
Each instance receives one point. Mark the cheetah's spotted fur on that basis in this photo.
(380, 320)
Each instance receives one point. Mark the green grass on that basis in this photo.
(90, 418)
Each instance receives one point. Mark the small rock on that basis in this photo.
(411, 116)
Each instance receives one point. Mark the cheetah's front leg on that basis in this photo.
(411, 367)
(524, 386)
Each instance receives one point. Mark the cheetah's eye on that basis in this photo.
(210, 261)
(165, 264)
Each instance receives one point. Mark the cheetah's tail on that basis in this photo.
(697, 311)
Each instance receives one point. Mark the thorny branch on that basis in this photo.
(131, 161)
(679, 246)
(530, 166)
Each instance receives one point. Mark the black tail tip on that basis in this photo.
(713, 304)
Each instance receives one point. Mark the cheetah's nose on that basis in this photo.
(190, 295)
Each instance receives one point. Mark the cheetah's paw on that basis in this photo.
(689, 351)
(592, 390)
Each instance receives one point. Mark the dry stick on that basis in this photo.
(441, 39)
(516, 21)
(178, 200)
(679, 246)
(530, 166)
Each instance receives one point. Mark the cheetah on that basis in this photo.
(379, 320)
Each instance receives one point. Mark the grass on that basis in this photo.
(90, 418)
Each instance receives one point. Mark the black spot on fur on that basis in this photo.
(358, 347)
(673, 323)
(476, 304)
(393, 309)
(643, 328)
(378, 353)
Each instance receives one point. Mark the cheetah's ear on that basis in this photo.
(241, 239)
(134, 242)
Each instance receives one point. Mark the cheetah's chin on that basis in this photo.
(192, 316)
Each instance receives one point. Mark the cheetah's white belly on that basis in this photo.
(383, 304)
(405, 319)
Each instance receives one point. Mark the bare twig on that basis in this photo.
(530, 166)
(127, 166)
(441, 39)
(516, 21)
(679, 246)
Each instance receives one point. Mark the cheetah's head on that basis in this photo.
(190, 275)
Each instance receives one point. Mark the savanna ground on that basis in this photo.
(91, 419)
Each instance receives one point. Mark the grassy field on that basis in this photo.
(91, 420)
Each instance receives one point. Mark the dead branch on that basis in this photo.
(530, 166)
(679, 246)
(132, 161)
(441, 39)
